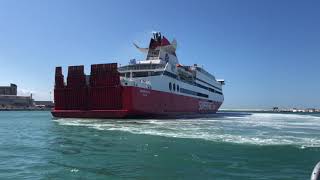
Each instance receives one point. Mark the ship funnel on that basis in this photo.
(157, 36)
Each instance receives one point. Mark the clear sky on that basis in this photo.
(268, 51)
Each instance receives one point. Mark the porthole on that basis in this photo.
(178, 88)
(170, 86)
(174, 87)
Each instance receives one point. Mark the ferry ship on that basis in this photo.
(158, 86)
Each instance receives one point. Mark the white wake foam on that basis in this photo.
(256, 128)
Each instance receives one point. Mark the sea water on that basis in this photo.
(228, 145)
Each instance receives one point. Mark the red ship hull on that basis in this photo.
(104, 97)
(140, 102)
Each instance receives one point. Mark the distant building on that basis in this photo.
(9, 98)
(311, 110)
(8, 90)
(44, 104)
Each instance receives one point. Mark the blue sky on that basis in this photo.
(268, 51)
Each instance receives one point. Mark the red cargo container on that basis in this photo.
(76, 98)
(105, 98)
(59, 78)
(100, 69)
(59, 83)
(75, 70)
(58, 71)
(59, 100)
(104, 92)
(76, 77)
(108, 79)
(76, 81)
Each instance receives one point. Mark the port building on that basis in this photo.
(8, 90)
(10, 99)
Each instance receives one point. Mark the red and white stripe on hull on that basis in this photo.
(141, 102)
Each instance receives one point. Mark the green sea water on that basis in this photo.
(225, 146)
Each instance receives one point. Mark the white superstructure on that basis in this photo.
(161, 71)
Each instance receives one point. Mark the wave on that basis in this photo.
(255, 128)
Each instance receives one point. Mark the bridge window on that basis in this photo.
(153, 54)
(140, 74)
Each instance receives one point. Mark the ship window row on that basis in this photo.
(166, 73)
(186, 91)
(196, 84)
(141, 67)
(173, 87)
(209, 89)
(125, 74)
(208, 83)
(146, 74)
(142, 74)
(153, 54)
(194, 93)
(205, 72)
(157, 73)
